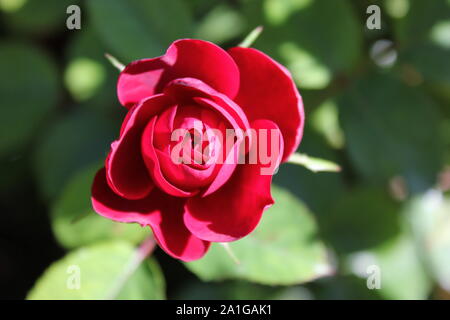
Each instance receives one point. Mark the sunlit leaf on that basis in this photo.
(325, 119)
(83, 78)
(211, 27)
(90, 78)
(284, 249)
(429, 217)
(307, 71)
(396, 8)
(94, 272)
(313, 164)
(314, 39)
(75, 224)
(398, 266)
(419, 20)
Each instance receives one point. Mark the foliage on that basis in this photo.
(382, 115)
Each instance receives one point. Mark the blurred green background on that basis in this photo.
(377, 103)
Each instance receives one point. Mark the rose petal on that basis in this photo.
(188, 89)
(110, 205)
(184, 58)
(126, 171)
(267, 91)
(234, 210)
(229, 161)
(173, 236)
(182, 175)
(151, 161)
(158, 210)
(164, 129)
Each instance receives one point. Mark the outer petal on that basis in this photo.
(184, 58)
(267, 91)
(158, 210)
(126, 171)
(234, 210)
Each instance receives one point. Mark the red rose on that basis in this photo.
(195, 87)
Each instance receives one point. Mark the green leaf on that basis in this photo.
(211, 27)
(314, 39)
(391, 129)
(84, 77)
(361, 219)
(71, 143)
(440, 34)
(307, 70)
(27, 70)
(325, 120)
(399, 263)
(90, 78)
(424, 36)
(37, 17)
(429, 218)
(402, 276)
(397, 8)
(134, 29)
(100, 268)
(430, 61)
(284, 249)
(420, 19)
(314, 164)
(309, 186)
(75, 224)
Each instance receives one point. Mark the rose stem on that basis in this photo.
(141, 253)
